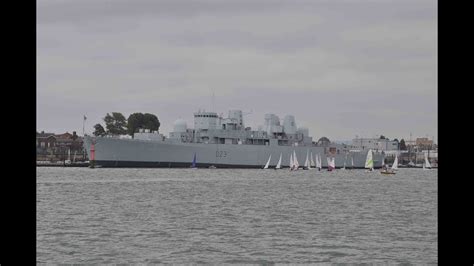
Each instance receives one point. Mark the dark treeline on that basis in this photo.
(117, 124)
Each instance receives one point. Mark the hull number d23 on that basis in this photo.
(221, 154)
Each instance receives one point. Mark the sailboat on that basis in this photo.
(331, 163)
(268, 162)
(318, 162)
(426, 164)
(193, 166)
(395, 163)
(68, 161)
(295, 161)
(306, 162)
(291, 162)
(344, 167)
(311, 163)
(369, 162)
(386, 170)
(352, 162)
(278, 166)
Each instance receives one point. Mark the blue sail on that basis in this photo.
(194, 161)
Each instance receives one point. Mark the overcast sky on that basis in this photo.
(342, 68)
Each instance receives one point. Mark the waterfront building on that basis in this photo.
(374, 144)
(57, 147)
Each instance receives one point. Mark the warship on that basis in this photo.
(218, 142)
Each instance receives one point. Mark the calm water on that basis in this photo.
(235, 216)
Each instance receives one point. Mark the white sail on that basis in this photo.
(295, 160)
(331, 163)
(395, 163)
(369, 162)
(291, 161)
(352, 162)
(427, 162)
(318, 161)
(306, 162)
(74, 160)
(345, 159)
(278, 166)
(311, 160)
(268, 162)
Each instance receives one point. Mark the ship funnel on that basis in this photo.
(236, 115)
(289, 124)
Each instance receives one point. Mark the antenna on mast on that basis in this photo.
(212, 102)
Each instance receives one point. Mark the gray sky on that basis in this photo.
(342, 68)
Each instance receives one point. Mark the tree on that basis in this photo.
(145, 121)
(382, 137)
(99, 130)
(403, 146)
(134, 122)
(116, 123)
(151, 122)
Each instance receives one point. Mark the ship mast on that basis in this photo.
(212, 102)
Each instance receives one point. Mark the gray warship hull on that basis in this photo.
(114, 152)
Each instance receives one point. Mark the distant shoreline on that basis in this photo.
(62, 165)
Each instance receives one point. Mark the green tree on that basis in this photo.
(151, 121)
(99, 130)
(116, 123)
(403, 146)
(134, 122)
(138, 120)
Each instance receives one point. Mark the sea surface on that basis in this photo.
(242, 216)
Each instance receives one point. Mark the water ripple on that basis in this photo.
(221, 216)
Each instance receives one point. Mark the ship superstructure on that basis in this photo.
(210, 128)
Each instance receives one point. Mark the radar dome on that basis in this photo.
(324, 141)
(179, 125)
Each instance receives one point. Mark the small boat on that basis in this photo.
(369, 162)
(318, 162)
(306, 162)
(212, 167)
(291, 162)
(331, 163)
(344, 167)
(385, 169)
(426, 164)
(193, 166)
(68, 161)
(296, 165)
(387, 172)
(268, 162)
(278, 166)
(395, 163)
